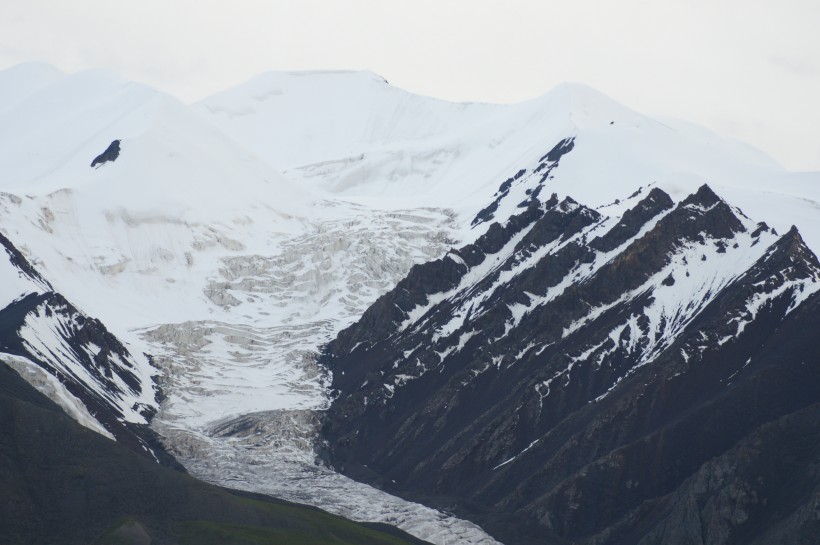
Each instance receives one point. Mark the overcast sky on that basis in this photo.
(744, 68)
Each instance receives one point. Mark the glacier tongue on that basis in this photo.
(272, 453)
(244, 389)
(195, 251)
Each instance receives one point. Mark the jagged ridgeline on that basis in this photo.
(571, 377)
(598, 370)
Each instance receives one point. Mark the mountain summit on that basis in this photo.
(563, 320)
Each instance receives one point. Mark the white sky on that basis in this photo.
(744, 68)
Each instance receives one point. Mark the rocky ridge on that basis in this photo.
(76, 360)
(568, 369)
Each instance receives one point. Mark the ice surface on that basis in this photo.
(234, 237)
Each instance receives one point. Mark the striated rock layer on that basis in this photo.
(576, 378)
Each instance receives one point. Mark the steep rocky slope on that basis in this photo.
(75, 359)
(176, 228)
(570, 373)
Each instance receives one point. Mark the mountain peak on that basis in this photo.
(22, 80)
(31, 69)
(792, 249)
(275, 83)
(704, 196)
(587, 107)
(362, 75)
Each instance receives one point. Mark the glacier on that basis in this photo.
(233, 238)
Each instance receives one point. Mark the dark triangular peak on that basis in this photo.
(719, 219)
(701, 216)
(786, 261)
(111, 153)
(788, 270)
(786, 275)
(703, 197)
(557, 364)
(633, 219)
(561, 220)
(559, 150)
(791, 255)
(534, 180)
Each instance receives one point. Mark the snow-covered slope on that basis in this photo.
(155, 223)
(23, 80)
(197, 252)
(313, 120)
(352, 134)
(178, 196)
(73, 358)
(232, 238)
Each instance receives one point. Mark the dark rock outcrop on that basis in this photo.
(89, 361)
(570, 378)
(111, 153)
(546, 164)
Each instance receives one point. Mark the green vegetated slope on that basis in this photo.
(62, 483)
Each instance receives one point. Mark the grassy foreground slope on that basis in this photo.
(62, 483)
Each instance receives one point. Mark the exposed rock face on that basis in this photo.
(111, 153)
(41, 328)
(576, 378)
(546, 164)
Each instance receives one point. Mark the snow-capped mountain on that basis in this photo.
(74, 359)
(233, 238)
(352, 135)
(194, 251)
(524, 371)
